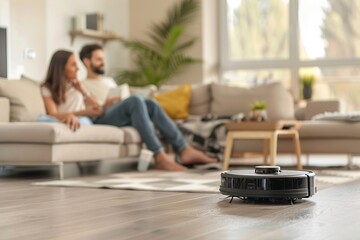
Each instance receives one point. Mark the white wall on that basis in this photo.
(4, 13)
(58, 26)
(27, 30)
(44, 26)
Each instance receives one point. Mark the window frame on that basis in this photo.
(293, 63)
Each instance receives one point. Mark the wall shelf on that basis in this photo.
(103, 36)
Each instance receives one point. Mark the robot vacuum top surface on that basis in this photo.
(283, 173)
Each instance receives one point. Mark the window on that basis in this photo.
(329, 29)
(277, 40)
(250, 78)
(255, 31)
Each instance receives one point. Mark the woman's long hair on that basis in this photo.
(55, 79)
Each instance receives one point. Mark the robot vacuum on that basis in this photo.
(268, 183)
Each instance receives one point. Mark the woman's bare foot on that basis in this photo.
(163, 162)
(191, 155)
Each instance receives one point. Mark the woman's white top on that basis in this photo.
(74, 100)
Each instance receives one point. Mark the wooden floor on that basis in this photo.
(29, 212)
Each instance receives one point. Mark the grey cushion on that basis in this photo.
(228, 100)
(26, 103)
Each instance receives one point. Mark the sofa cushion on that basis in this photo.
(329, 130)
(26, 103)
(5, 109)
(318, 107)
(50, 133)
(229, 100)
(32, 154)
(131, 135)
(200, 99)
(175, 102)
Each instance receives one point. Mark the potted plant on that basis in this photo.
(157, 60)
(258, 111)
(307, 81)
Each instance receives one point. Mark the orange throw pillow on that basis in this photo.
(176, 102)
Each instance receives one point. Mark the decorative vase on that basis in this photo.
(258, 115)
(307, 92)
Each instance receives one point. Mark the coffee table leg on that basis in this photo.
(273, 148)
(266, 151)
(228, 150)
(297, 150)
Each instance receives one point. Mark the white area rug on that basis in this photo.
(191, 181)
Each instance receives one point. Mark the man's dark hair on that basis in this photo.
(87, 50)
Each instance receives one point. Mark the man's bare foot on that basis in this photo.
(191, 155)
(163, 162)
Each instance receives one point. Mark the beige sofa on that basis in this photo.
(316, 137)
(25, 142)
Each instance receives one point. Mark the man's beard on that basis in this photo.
(98, 69)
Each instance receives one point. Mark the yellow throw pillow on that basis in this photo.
(176, 102)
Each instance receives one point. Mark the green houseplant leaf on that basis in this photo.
(162, 57)
(258, 105)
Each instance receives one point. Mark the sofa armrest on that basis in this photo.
(315, 107)
(5, 109)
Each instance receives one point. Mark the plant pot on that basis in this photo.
(307, 92)
(258, 115)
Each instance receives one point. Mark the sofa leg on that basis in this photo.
(350, 162)
(61, 171)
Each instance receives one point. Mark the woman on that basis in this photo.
(67, 101)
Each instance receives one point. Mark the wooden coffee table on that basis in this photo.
(268, 131)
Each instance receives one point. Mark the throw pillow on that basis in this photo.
(228, 100)
(200, 98)
(26, 103)
(176, 102)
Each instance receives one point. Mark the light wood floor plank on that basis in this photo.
(30, 212)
